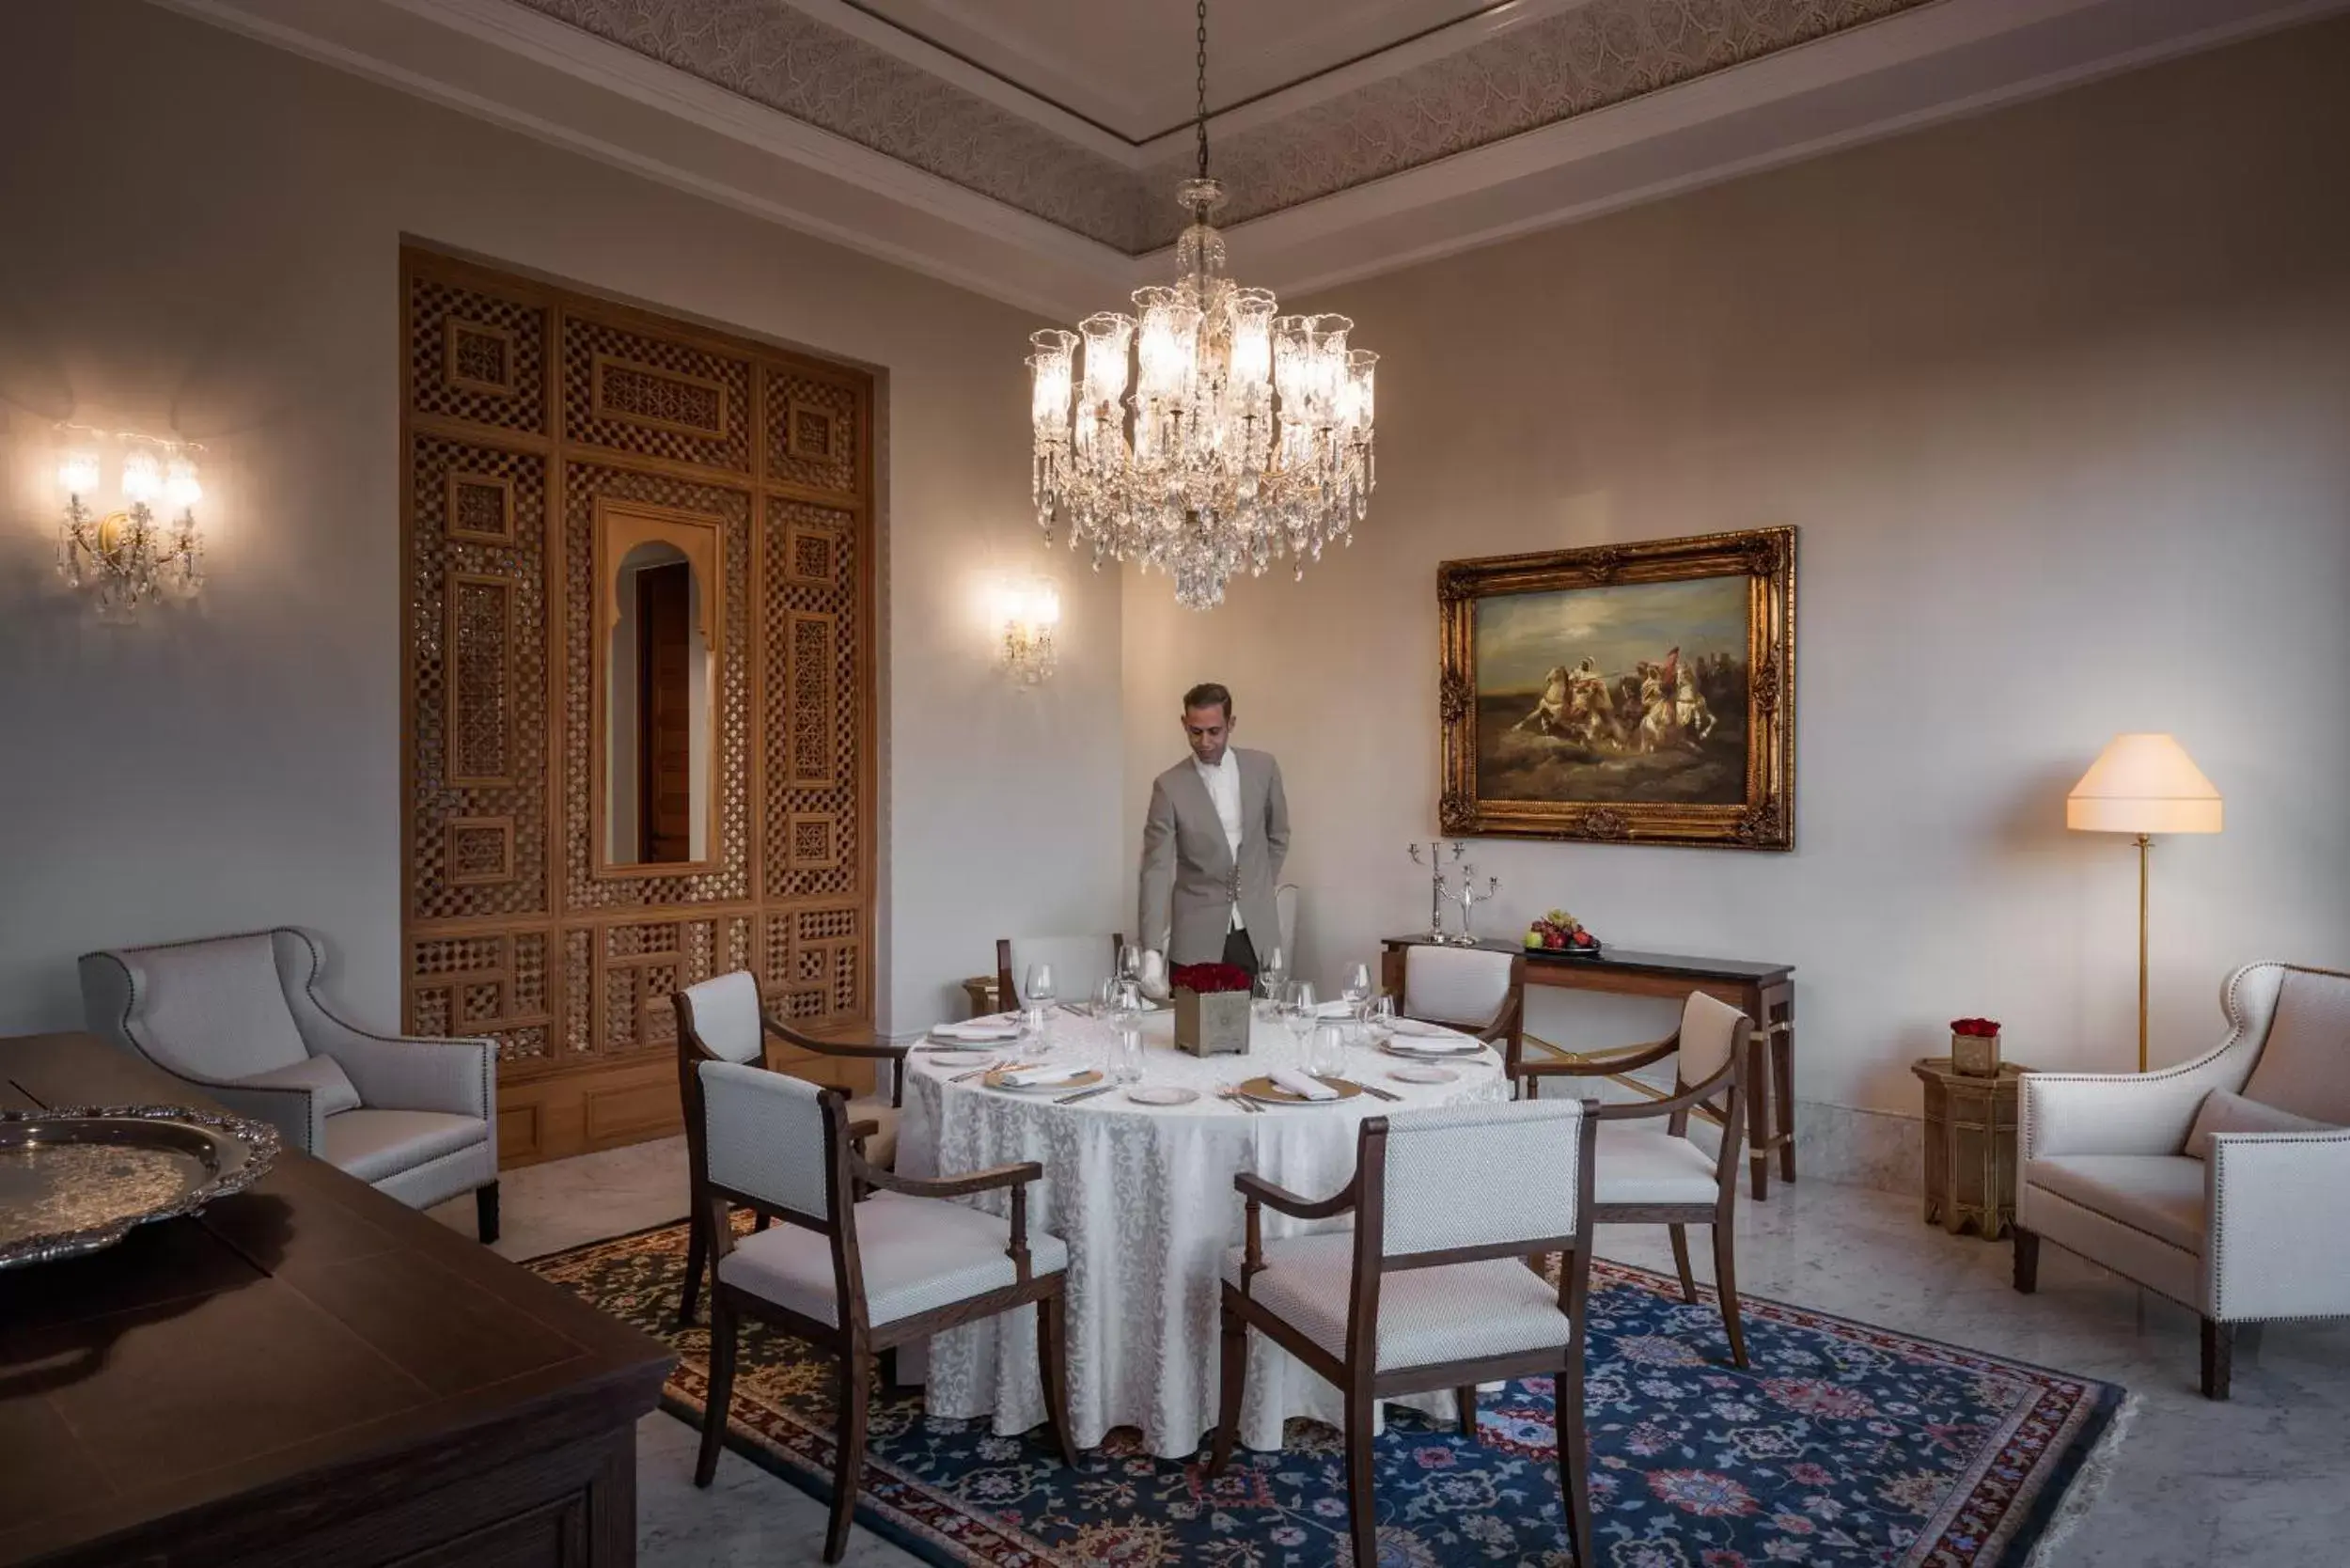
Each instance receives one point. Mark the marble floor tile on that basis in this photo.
(2265, 1477)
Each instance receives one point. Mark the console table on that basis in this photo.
(1764, 992)
(308, 1373)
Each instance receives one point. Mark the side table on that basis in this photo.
(1970, 1147)
(981, 990)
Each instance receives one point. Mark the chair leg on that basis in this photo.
(1680, 1262)
(1726, 1288)
(721, 1332)
(1052, 1340)
(2027, 1260)
(2218, 1358)
(1466, 1397)
(848, 1465)
(1574, 1483)
(1235, 1385)
(1362, 1500)
(485, 1213)
(697, 1259)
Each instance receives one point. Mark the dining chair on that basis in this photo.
(1477, 990)
(1080, 965)
(723, 1019)
(1658, 1175)
(853, 1275)
(1429, 1289)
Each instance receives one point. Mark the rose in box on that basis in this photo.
(1975, 1047)
(1211, 1008)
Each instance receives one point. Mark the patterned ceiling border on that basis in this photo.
(1551, 70)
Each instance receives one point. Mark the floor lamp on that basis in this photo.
(2143, 785)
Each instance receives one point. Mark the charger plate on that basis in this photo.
(1266, 1092)
(77, 1181)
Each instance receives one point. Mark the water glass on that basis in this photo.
(1327, 1055)
(1379, 1019)
(1039, 1003)
(1126, 1055)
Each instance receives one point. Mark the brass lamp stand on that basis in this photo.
(2143, 785)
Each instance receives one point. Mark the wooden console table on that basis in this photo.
(308, 1373)
(1765, 992)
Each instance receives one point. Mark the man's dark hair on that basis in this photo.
(1207, 694)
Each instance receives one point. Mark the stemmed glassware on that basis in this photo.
(1379, 1019)
(1297, 1012)
(1125, 1015)
(1357, 991)
(1037, 1009)
(1271, 985)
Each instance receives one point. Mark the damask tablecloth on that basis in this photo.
(1144, 1197)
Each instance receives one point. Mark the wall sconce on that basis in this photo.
(127, 555)
(1027, 614)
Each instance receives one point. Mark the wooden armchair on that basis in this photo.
(1473, 989)
(1429, 1289)
(723, 1019)
(853, 1275)
(1656, 1175)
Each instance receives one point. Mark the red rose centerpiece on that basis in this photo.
(1211, 1008)
(1975, 1047)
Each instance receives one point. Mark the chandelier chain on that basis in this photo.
(1202, 63)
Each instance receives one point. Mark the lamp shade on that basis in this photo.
(2143, 784)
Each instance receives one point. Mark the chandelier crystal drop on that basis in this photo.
(1205, 435)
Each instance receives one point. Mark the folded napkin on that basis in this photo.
(978, 1029)
(1298, 1084)
(1027, 1077)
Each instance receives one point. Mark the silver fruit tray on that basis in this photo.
(76, 1181)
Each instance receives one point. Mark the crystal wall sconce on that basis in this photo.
(1027, 614)
(136, 544)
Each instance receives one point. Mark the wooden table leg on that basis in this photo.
(1759, 1113)
(1783, 1080)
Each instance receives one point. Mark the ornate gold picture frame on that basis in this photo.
(1639, 693)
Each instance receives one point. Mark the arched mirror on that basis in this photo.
(658, 590)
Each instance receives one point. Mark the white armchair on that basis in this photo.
(239, 1018)
(2113, 1166)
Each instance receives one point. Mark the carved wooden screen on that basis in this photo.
(524, 408)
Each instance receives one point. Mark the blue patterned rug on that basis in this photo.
(1844, 1445)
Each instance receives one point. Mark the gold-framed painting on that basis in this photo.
(1640, 693)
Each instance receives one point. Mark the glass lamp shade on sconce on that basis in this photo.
(1027, 616)
(144, 549)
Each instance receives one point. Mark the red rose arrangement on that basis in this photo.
(1207, 979)
(1979, 1028)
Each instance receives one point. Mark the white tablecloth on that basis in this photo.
(1143, 1195)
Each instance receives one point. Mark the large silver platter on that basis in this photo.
(75, 1181)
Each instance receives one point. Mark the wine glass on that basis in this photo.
(1379, 1019)
(1125, 1016)
(1297, 1012)
(1357, 989)
(1272, 981)
(1040, 995)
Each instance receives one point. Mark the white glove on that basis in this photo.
(1154, 976)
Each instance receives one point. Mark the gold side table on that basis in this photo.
(1970, 1147)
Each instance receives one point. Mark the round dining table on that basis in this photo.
(1143, 1196)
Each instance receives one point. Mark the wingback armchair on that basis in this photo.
(240, 1017)
(2217, 1182)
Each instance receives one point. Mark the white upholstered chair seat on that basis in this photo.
(918, 1254)
(2161, 1195)
(1643, 1162)
(376, 1144)
(1427, 1316)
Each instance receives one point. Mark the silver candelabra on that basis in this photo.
(1442, 888)
(1439, 891)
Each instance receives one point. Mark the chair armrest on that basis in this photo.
(2113, 1113)
(1606, 1067)
(949, 1186)
(1693, 1098)
(878, 1050)
(1257, 1190)
(393, 1073)
(2279, 1228)
(295, 1113)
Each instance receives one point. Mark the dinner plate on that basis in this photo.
(1266, 1092)
(1423, 1053)
(958, 1059)
(1424, 1075)
(1161, 1094)
(1086, 1079)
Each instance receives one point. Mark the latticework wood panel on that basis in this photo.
(524, 405)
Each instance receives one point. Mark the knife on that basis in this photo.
(1084, 1094)
(1374, 1088)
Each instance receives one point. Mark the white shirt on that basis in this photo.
(1223, 782)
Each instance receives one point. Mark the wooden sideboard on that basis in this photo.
(309, 1374)
(1764, 992)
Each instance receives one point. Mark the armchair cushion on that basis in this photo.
(918, 1253)
(881, 1149)
(1648, 1164)
(2160, 1195)
(2305, 1066)
(374, 1144)
(1427, 1316)
(212, 1010)
(328, 1083)
(2223, 1112)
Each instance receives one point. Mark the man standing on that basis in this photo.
(1213, 845)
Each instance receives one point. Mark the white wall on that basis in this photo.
(203, 239)
(2060, 399)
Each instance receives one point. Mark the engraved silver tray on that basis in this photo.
(76, 1181)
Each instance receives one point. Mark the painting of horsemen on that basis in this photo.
(1629, 693)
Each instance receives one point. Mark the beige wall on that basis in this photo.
(203, 238)
(2061, 402)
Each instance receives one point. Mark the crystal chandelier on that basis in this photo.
(1243, 438)
(128, 558)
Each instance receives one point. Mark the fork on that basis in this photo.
(1230, 1093)
(986, 1068)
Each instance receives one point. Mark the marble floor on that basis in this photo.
(2264, 1479)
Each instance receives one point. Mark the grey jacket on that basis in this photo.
(1187, 871)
